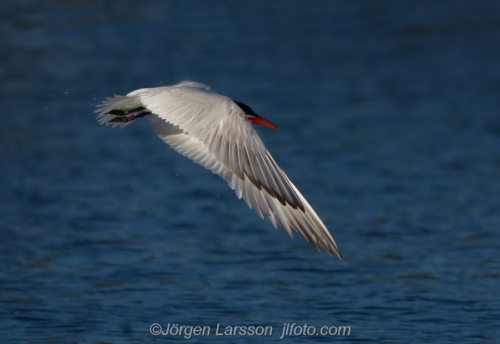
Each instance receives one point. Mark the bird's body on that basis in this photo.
(216, 132)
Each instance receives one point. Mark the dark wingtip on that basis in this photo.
(339, 254)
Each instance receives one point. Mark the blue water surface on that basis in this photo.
(390, 127)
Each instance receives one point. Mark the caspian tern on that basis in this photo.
(215, 132)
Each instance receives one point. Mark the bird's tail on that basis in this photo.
(120, 110)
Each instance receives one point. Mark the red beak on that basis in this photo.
(263, 122)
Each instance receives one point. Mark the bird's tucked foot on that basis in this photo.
(123, 118)
(125, 112)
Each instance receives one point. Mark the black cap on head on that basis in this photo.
(246, 109)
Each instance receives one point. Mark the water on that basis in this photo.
(389, 118)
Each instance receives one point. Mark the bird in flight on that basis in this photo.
(216, 132)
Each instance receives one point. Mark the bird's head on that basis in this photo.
(252, 117)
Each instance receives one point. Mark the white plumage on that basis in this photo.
(216, 132)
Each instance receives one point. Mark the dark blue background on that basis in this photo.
(390, 127)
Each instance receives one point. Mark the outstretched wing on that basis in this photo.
(212, 130)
